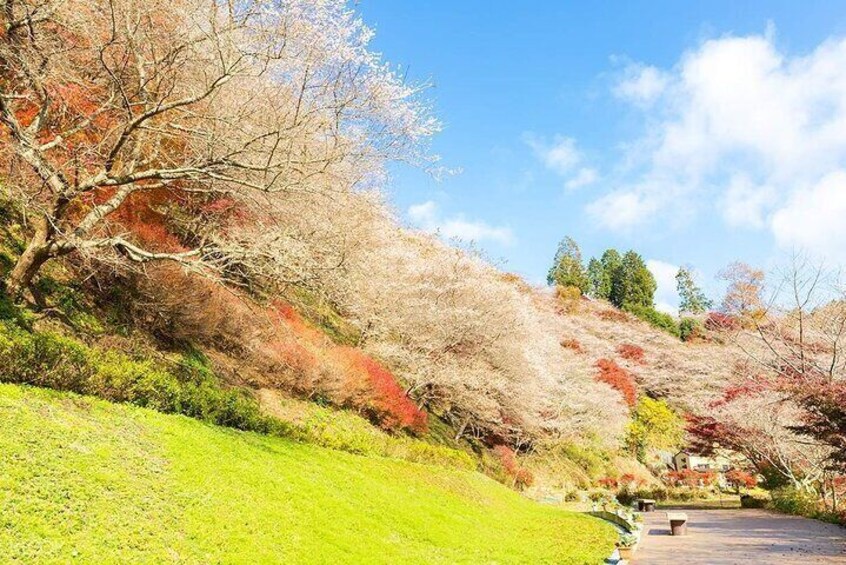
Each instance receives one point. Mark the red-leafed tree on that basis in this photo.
(784, 411)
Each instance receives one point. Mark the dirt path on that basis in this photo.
(723, 537)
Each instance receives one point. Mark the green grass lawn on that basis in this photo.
(86, 481)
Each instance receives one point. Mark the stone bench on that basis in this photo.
(645, 505)
(678, 523)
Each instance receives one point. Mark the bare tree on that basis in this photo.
(793, 349)
(103, 100)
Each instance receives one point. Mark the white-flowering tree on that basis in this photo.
(105, 101)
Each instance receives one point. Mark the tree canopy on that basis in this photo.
(567, 268)
(692, 299)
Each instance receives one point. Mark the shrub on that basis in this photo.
(654, 318)
(618, 378)
(573, 344)
(569, 299)
(741, 479)
(51, 360)
(628, 487)
(791, 500)
(519, 475)
(631, 352)
(690, 478)
(609, 483)
(381, 397)
(719, 321)
(612, 315)
(754, 500)
(658, 493)
(691, 329)
(625, 496)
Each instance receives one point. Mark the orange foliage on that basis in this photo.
(520, 476)
(572, 343)
(618, 378)
(691, 478)
(608, 482)
(631, 352)
(384, 399)
(612, 315)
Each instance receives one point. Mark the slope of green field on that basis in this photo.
(86, 481)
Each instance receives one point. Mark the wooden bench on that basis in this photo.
(678, 523)
(646, 505)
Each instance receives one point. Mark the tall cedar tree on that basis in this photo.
(632, 284)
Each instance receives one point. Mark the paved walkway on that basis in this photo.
(724, 537)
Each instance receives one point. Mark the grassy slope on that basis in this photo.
(112, 483)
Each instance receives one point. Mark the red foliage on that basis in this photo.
(691, 478)
(706, 431)
(608, 482)
(631, 352)
(618, 378)
(572, 343)
(283, 312)
(630, 480)
(292, 356)
(521, 476)
(718, 321)
(612, 315)
(385, 401)
(741, 479)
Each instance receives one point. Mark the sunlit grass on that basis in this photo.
(83, 480)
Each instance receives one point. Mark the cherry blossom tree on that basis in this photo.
(103, 102)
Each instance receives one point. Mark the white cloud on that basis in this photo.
(624, 208)
(559, 155)
(813, 218)
(738, 125)
(427, 217)
(666, 297)
(641, 84)
(584, 177)
(744, 204)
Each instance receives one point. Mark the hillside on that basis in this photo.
(689, 374)
(116, 484)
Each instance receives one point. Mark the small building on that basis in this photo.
(691, 460)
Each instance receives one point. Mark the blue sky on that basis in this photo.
(696, 134)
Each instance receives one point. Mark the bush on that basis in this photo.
(794, 501)
(520, 476)
(754, 500)
(631, 352)
(569, 299)
(612, 315)
(690, 478)
(572, 344)
(691, 329)
(741, 479)
(718, 321)
(655, 318)
(619, 379)
(51, 360)
(657, 493)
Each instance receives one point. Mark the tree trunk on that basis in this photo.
(37, 253)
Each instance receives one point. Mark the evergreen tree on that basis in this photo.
(632, 284)
(600, 279)
(692, 299)
(567, 268)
